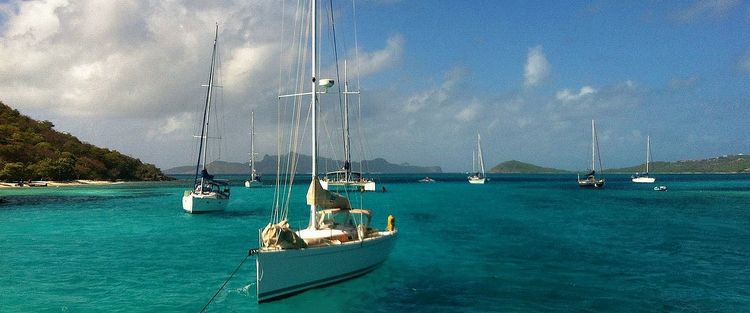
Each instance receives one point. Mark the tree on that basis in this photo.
(13, 172)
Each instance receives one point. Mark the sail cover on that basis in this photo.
(325, 199)
(280, 236)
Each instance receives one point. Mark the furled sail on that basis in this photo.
(324, 199)
(280, 236)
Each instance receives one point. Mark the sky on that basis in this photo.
(529, 76)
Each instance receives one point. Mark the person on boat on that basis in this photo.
(382, 189)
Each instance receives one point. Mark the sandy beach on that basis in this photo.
(42, 183)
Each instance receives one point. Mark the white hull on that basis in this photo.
(284, 272)
(647, 180)
(477, 181)
(200, 203)
(252, 183)
(368, 185)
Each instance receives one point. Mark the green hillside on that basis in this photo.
(514, 166)
(726, 164)
(33, 150)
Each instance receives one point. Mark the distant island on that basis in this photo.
(739, 163)
(514, 166)
(268, 166)
(33, 150)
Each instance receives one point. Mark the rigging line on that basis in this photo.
(338, 76)
(225, 283)
(363, 165)
(598, 153)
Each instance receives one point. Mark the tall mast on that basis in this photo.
(479, 151)
(313, 105)
(473, 161)
(593, 144)
(207, 111)
(347, 140)
(252, 145)
(648, 151)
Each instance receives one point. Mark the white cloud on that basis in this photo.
(706, 9)
(537, 67)
(376, 61)
(470, 112)
(438, 96)
(565, 94)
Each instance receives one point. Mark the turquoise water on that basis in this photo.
(523, 243)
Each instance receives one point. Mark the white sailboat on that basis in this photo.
(345, 178)
(254, 179)
(590, 180)
(478, 177)
(645, 178)
(338, 244)
(208, 194)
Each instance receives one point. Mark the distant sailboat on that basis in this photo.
(590, 180)
(345, 178)
(645, 178)
(254, 179)
(208, 194)
(339, 242)
(478, 177)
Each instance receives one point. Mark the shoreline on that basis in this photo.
(46, 183)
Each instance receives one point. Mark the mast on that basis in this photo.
(593, 144)
(206, 112)
(347, 139)
(252, 145)
(479, 149)
(473, 161)
(313, 106)
(648, 152)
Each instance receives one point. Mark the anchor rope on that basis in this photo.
(225, 283)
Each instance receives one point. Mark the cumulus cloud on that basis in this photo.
(705, 9)
(120, 58)
(436, 96)
(470, 112)
(376, 61)
(565, 94)
(537, 67)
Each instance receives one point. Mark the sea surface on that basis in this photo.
(522, 243)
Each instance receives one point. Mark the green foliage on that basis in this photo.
(514, 166)
(33, 150)
(725, 164)
(13, 171)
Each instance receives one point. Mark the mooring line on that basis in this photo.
(225, 282)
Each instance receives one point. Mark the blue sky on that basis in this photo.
(527, 75)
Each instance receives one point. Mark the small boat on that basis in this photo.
(208, 194)
(254, 179)
(645, 178)
(660, 188)
(590, 180)
(478, 177)
(427, 180)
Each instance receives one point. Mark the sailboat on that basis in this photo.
(338, 243)
(478, 177)
(254, 179)
(590, 180)
(345, 178)
(645, 178)
(208, 194)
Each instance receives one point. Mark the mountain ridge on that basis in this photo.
(267, 165)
